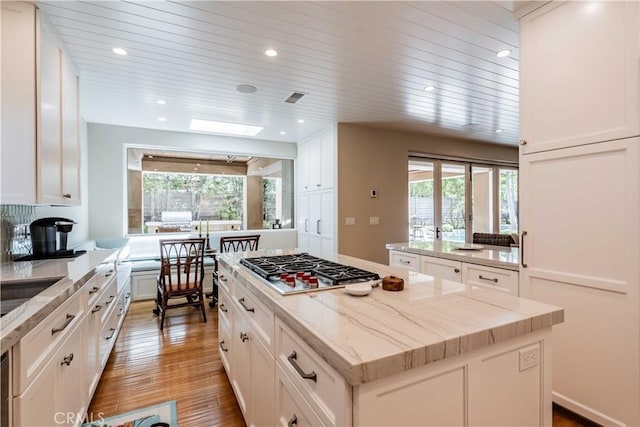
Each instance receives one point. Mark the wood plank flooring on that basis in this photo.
(149, 366)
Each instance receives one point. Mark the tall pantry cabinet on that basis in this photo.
(40, 111)
(316, 194)
(580, 197)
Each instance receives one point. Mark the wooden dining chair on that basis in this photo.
(232, 244)
(181, 275)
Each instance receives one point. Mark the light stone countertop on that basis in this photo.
(371, 337)
(493, 256)
(72, 272)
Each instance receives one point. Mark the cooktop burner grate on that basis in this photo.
(328, 272)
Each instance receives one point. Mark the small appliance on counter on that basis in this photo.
(44, 239)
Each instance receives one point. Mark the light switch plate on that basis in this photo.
(350, 220)
(374, 220)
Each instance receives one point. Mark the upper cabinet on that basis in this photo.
(579, 81)
(40, 120)
(316, 162)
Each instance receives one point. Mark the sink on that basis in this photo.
(16, 292)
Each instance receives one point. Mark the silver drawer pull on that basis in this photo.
(293, 421)
(111, 297)
(489, 279)
(222, 346)
(244, 336)
(70, 317)
(223, 308)
(241, 301)
(293, 360)
(94, 290)
(113, 331)
(67, 360)
(96, 308)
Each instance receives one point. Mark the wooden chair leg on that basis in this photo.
(163, 309)
(204, 315)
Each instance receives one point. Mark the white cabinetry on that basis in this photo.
(404, 260)
(441, 267)
(245, 328)
(316, 212)
(580, 198)
(579, 74)
(40, 133)
(497, 279)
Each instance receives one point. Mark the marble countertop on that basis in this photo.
(493, 256)
(72, 274)
(383, 333)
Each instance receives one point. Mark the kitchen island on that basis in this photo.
(436, 353)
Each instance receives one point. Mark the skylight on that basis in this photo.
(227, 128)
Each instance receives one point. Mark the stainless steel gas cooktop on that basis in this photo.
(297, 273)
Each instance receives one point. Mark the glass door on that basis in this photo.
(453, 201)
(422, 218)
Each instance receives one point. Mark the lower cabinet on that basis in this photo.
(245, 330)
(291, 408)
(144, 283)
(441, 267)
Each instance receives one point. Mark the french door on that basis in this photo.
(450, 200)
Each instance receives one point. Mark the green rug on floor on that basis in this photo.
(160, 415)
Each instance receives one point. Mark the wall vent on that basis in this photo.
(295, 97)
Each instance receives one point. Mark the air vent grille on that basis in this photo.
(295, 97)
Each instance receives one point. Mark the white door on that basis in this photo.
(302, 165)
(302, 221)
(328, 159)
(315, 163)
(315, 223)
(327, 223)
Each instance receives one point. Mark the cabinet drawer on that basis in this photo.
(404, 260)
(291, 408)
(32, 352)
(489, 277)
(223, 278)
(441, 267)
(224, 306)
(107, 337)
(225, 344)
(324, 389)
(94, 288)
(258, 315)
(107, 300)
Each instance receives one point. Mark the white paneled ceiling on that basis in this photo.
(357, 62)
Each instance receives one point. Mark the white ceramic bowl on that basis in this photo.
(358, 289)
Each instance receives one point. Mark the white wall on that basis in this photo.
(107, 154)
(80, 214)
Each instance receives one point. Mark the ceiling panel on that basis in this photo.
(358, 62)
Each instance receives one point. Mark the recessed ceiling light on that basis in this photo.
(119, 51)
(502, 53)
(228, 128)
(271, 52)
(429, 88)
(162, 119)
(161, 102)
(246, 88)
(498, 130)
(300, 121)
(283, 132)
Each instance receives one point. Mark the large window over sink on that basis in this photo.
(200, 193)
(450, 200)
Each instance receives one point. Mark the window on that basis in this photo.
(208, 193)
(452, 200)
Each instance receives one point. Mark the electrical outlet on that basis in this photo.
(529, 358)
(350, 220)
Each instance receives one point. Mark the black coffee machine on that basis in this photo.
(44, 237)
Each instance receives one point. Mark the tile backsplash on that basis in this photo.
(15, 239)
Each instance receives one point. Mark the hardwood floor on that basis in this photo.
(149, 366)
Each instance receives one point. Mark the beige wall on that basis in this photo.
(371, 158)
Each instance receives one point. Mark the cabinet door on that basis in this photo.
(302, 165)
(327, 223)
(241, 364)
(262, 385)
(72, 394)
(315, 163)
(70, 134)
(144, 287)
(443, 268)
(580, 252)
(315, 223)
(18, 139)
(579, 74)
(50, 119)
(328, 159)
(302, 222)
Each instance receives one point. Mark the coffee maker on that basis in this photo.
(44, 239)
